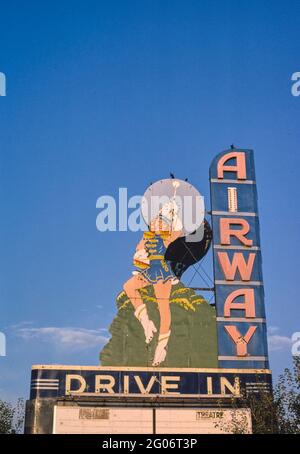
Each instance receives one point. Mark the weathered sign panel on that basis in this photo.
(118, 420)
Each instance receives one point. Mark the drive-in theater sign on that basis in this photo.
(168, 344)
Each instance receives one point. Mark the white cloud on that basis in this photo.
(273, 329)
(276, 341)
(65, 337)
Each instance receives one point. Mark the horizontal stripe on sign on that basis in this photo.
(252, 388)
(239, 282)
(260, 388)
(215, 180)
(38, 388)
(218, 370)
(235, 213)
(242, 319)
(242, 358)
(145, 395)
(52, 380)
(242, 248)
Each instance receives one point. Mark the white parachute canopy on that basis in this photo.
(177, 202)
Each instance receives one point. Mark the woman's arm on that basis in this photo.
(140, 245)
(172, 237)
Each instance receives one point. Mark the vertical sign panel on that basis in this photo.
(239, 291)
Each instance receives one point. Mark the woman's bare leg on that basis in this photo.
(162, 293)
(131, 289)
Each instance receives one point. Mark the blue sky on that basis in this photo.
(109, 94)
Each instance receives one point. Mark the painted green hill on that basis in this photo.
(193, 340)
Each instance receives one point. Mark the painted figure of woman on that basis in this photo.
(155, 270)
